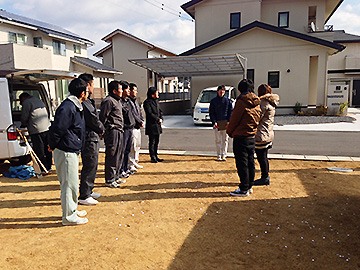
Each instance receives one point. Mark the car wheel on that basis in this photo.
(18, 161)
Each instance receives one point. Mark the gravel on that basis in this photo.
(281, 120)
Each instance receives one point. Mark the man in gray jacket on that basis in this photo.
(112, 118)
(35, 117)
(94, 129)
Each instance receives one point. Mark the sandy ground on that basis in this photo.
(178, 215)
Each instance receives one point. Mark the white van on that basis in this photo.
(12, 84)
(201, 109)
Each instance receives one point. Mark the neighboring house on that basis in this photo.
(344, 67)
(286, 43)
(30, 44)
(124, 46)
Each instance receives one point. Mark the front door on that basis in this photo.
(356, 94)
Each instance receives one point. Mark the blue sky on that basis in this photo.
(156, 21)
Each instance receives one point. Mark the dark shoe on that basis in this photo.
(159, 159)
(262, 182)
(153, 160)
(240, 193)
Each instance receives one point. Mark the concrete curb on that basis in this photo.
(271, 156)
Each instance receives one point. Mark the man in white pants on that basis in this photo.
(220, 112)
(136, 139)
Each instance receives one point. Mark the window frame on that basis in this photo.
(231, 20)
(15, 38)
(37, 43)
(250, 70)
(75, 46)
(60, 49)
(277, 82)
(287, 19)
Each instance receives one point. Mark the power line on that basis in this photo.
(168, 9)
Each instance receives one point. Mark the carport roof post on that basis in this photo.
(195, 65)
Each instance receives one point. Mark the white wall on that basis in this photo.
(267, 51)
(213, 17)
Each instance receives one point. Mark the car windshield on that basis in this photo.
(207, 96)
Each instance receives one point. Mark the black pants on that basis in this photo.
(90, 158)
(244, 149)
(113, 154)
(127, 148)
(40, 147)
(153, 145)
(262, 157)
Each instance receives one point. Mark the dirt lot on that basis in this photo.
(178, 215)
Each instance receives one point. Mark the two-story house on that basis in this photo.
(30, 44)
(124, 46)
(286, 43)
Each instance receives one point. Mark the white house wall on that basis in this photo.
(298, 13)
(125, 48)
(213, 17)
(267, 51)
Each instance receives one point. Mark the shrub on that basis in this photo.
(297, 107)
(321, 110)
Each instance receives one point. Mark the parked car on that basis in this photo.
(201, 110)
(12, 84)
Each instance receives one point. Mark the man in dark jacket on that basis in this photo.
(153, 122)
(129, 123)
(242, 127)
(66, 136)
(90, 151)
(136, 136)
(112, 118)
(220, 112)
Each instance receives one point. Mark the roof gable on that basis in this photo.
(109, 38)
(268, 27)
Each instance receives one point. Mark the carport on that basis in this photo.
(194, 65)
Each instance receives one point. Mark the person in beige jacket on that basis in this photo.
(265, 131)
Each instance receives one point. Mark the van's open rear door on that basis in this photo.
(41, 75)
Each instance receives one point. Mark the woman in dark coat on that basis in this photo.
(153, 122)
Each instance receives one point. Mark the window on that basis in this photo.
(16, 38)
(38, 42)
(283, 19)
(59, 47)
(274, 79)
(235, 19)
(77, 49)
(250, 74)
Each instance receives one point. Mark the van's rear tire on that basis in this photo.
(18, 161)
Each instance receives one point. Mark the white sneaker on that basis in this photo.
(137, 166)
(219, 158)
(133, 168)
(78, 221)
(82, 213)
(95, 195)
(223, 158)
(88, 201)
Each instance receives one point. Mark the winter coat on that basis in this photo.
(94, 127)
(153, 115)
(34, 116)
(265, 131)
(111, 113)
(139, 119)
(127, 109)
(245, 116)
(68, 129)
(220, 109)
